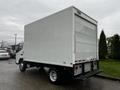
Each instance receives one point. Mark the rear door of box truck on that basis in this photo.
(85, 39)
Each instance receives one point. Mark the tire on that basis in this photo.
(22, 66)
(55, 76)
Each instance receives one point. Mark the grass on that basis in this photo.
(110, 67)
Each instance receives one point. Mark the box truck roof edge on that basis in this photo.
(61, 11)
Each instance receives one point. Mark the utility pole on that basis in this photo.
(15, 42)
(2, 44)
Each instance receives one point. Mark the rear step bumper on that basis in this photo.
(87, 75)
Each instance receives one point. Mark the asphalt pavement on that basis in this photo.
(12, 79)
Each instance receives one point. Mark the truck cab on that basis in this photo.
(19, 56)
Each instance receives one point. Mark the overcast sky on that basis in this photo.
(14, 14)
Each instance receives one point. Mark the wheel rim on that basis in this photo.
(53, 75)
(21, 65)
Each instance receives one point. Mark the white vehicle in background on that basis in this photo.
(65, 42)
(4, 54)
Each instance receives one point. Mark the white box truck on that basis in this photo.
(65, 42)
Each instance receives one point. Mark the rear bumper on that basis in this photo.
(86, 70)
(86, 75)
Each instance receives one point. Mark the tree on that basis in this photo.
(102, 46)
(109, 46)
(115, 48)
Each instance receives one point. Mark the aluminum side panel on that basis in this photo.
(50, 40)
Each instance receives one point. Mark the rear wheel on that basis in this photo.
(22, 66)
(55, 76)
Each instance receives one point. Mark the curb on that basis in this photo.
(107, 77)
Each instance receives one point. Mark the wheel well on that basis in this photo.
(20, 60)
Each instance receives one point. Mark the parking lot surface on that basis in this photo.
(12, 79)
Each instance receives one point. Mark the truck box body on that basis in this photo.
(65, 38)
